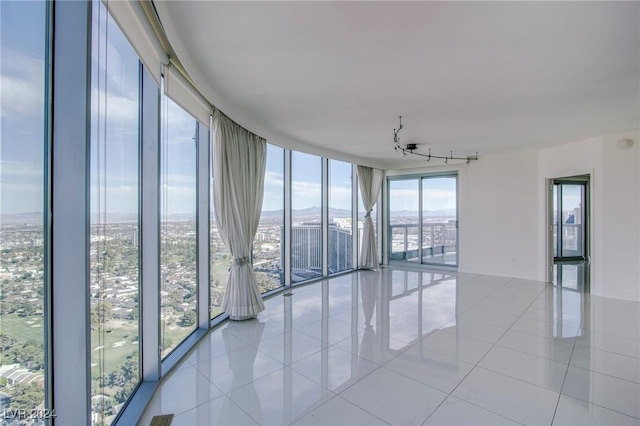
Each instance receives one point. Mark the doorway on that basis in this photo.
(569, 205)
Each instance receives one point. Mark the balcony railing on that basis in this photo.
(572, 239)
(438, 240)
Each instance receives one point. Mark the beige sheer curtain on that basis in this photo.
(238, 165)
(370, 182)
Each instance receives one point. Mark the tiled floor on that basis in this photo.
(404, 347)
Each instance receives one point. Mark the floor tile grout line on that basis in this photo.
(607, 375)
(475, 405)
(337, 395)
(601, 406)
(566, 373)
(477, 365)
(492, 346)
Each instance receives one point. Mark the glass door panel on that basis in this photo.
(572, 230)
(439, 220)
(403, 219)
(569, 233)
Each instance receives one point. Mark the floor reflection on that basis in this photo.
(406, 346)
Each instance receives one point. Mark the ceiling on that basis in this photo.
(333, 77)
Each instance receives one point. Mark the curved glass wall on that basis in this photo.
(125, 155)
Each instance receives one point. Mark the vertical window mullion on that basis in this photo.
(286, 243)
(150, 227)
(70, 213)
(202, 225)
(325, 217)
(355, 234)
(420, 221)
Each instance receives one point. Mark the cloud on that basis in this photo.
(339, 193)
(21, 197)
(21, 86)
(407, 199)
(183, 181)
(21, 170)
(117, 110)
(273, 179)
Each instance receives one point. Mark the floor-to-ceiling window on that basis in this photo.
(114, 250)
(423, 219)
(267, 245)
(340, 217)
(178, 260)
(23, 45)
(306, 216)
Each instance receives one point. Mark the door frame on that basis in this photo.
(419, 177)
(586, 179)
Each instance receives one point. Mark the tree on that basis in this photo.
(188, 319)
(100, 314)
(26, 397)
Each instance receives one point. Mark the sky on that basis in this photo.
(22, 29)
(438, 193)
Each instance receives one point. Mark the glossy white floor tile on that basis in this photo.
(441, 372)
(457, 412)
(182, 391)
(509, 397)
(539, 371)
(343, 368)
(606, 391)
(575, 412)
(339, 412)
(220, 411)
(280, 397)
(394, 398)
(402, 346)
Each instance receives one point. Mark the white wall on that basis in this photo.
(621, 219)
(615, 209)
(498, 213)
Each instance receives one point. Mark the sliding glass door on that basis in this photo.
(440, 220)
(423, 219)
(404, 219)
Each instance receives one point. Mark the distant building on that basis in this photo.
(306, 248)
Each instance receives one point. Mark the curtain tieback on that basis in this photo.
(241, 261)
(368, 213)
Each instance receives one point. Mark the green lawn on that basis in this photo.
(23, 328)
(115, 352)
